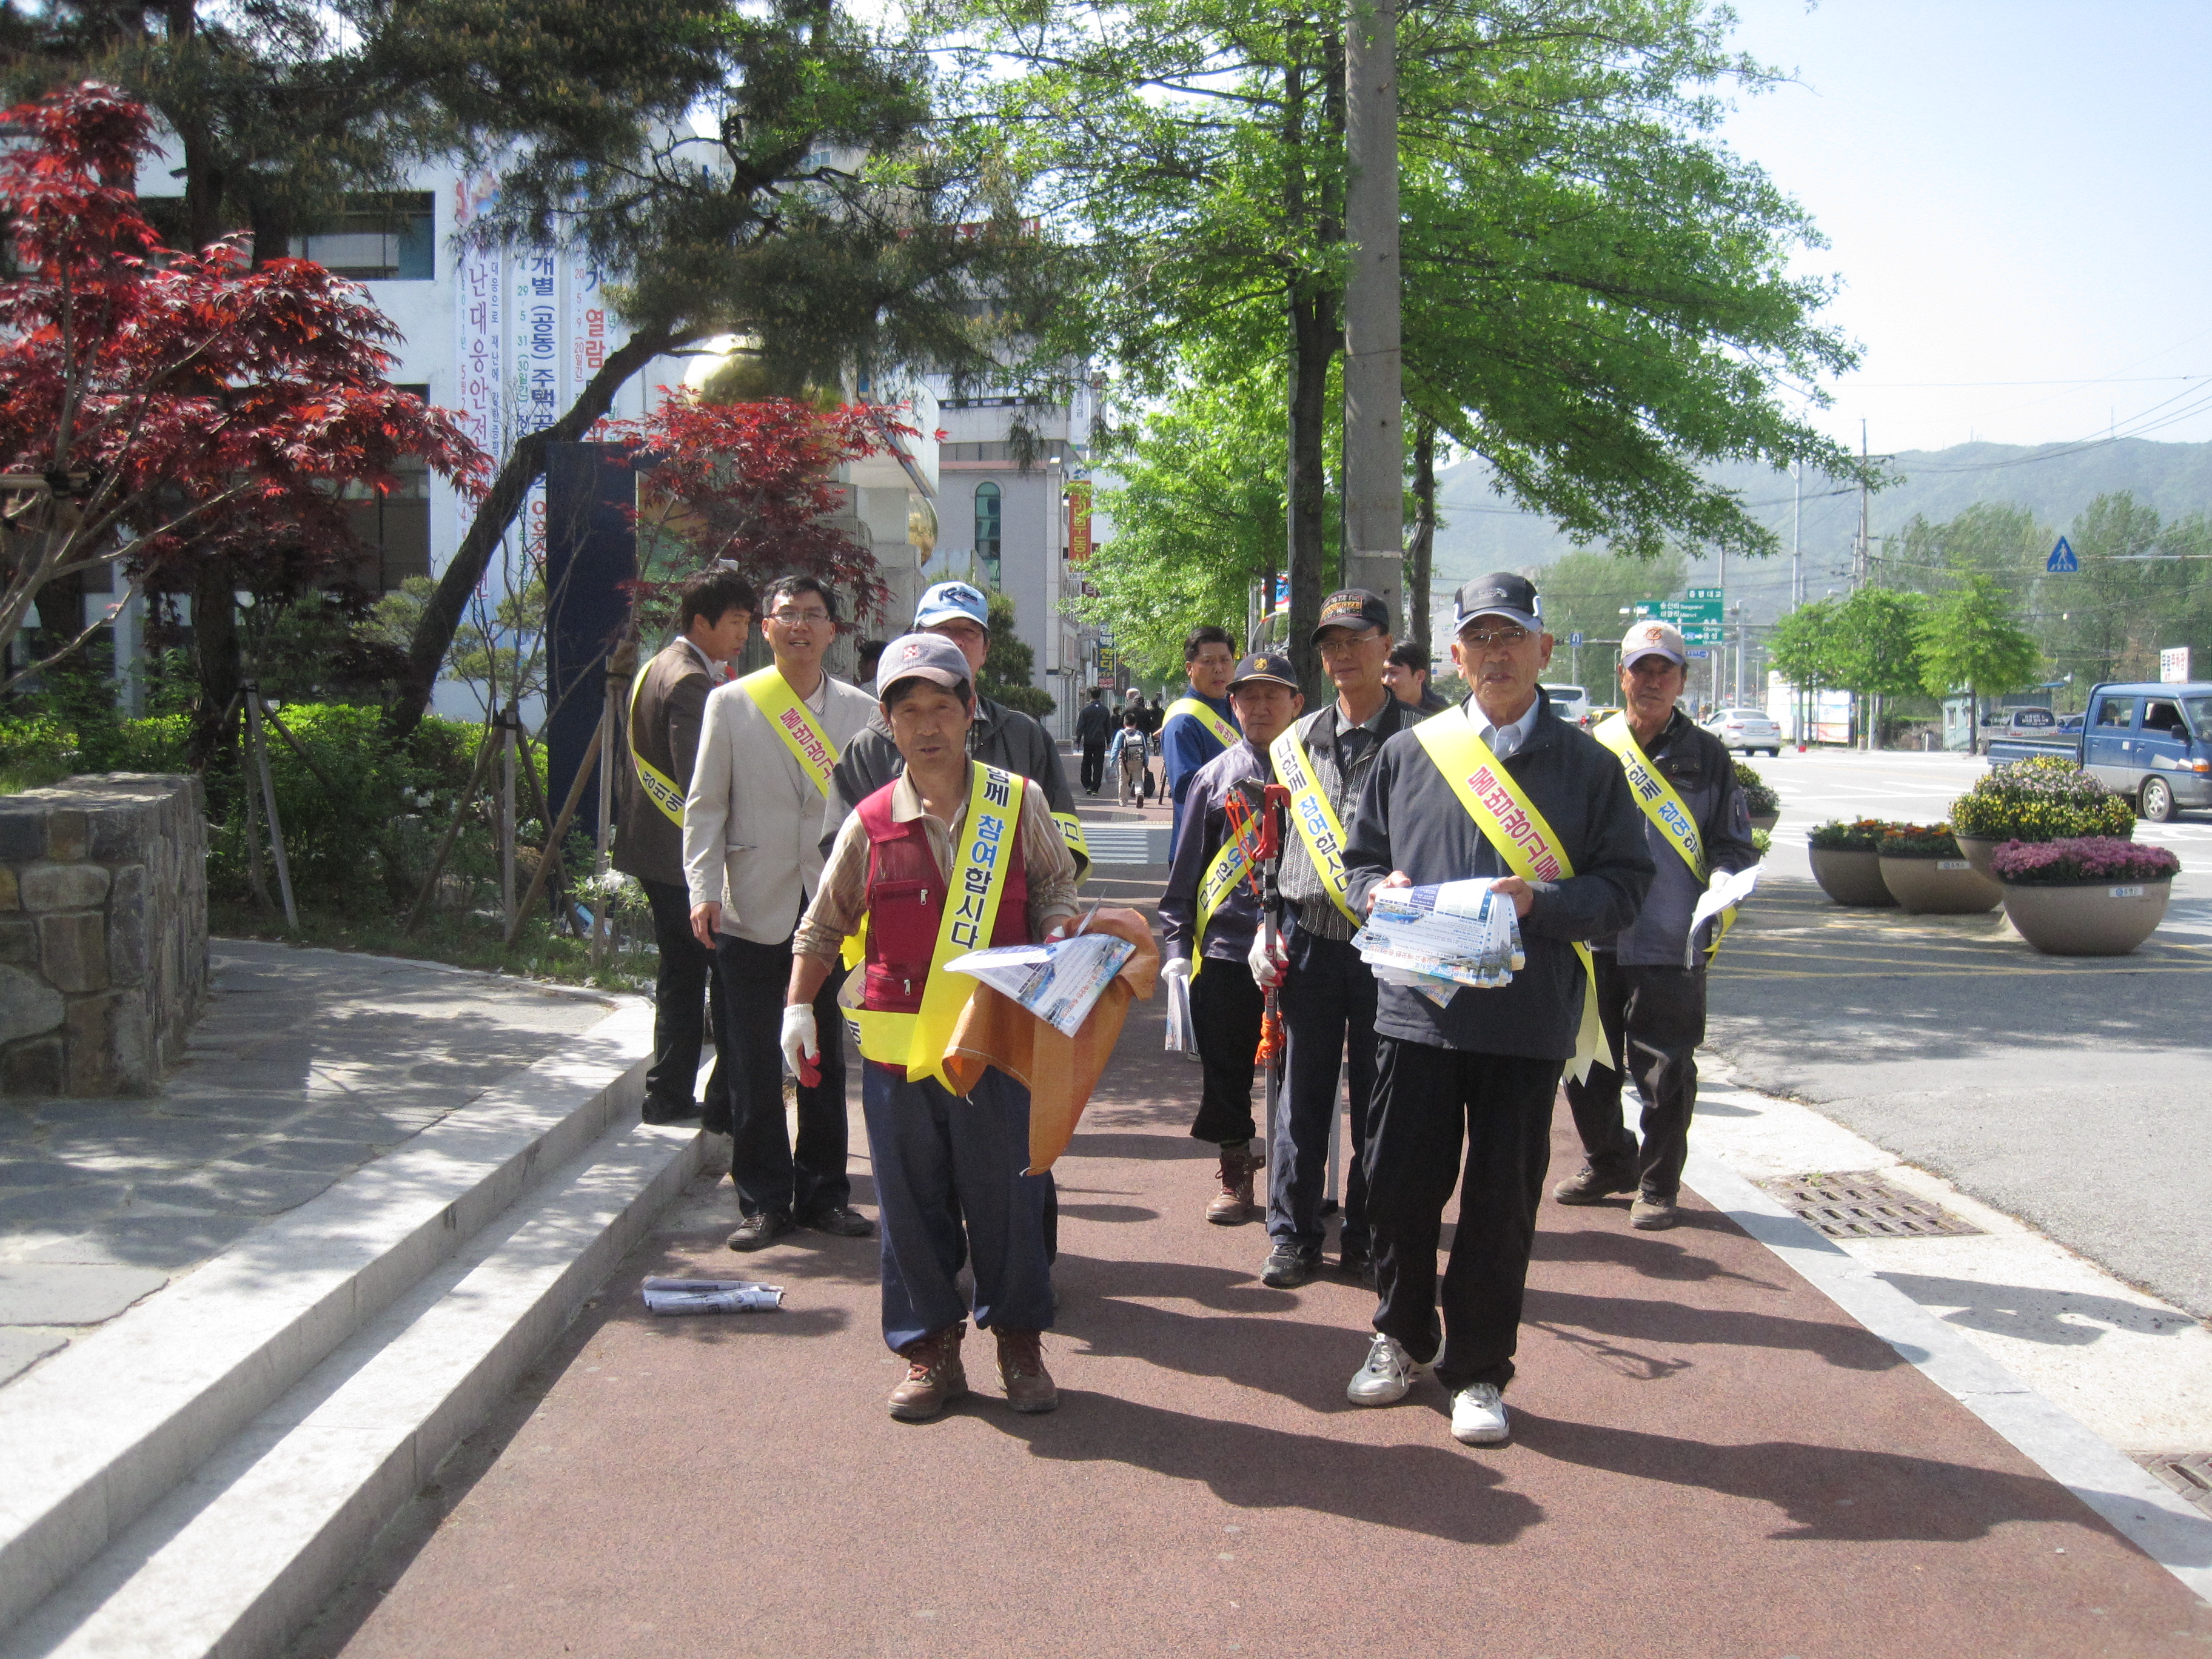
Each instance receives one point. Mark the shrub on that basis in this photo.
(1919, 841)
(1860, 836)
(2046, 798)
(1762, 842)
(2080, 860)
(1757, 794)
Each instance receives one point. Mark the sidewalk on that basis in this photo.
(1709, 1458)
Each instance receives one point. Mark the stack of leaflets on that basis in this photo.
(711, 1296)
(1436, 940)
(1058, 980)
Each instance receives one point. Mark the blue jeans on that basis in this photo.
(949, 1187)
(1328, 1016)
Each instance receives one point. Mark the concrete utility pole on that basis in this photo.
(1860, 548)
(1374, 383)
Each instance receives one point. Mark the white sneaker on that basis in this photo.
(1389, 1373)
(1479, 1415)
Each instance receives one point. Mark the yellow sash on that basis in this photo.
(1071, 831)
(1226, 734)
(659, 788)
(1509, 822)
(1666, 809)
(1226, 868)
(1319, 827)
(988, 831)
(794, 722)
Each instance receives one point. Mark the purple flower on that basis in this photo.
(2081, 859)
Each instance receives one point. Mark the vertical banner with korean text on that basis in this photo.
(533, 285)
(480, 399)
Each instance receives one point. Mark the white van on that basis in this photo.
(1569, 703)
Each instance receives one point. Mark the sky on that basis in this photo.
(2012, 192)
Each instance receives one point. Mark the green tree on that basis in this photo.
(1874, 651)
(1969, 639)
(1585, 593)
(1803, 650)
(1009, 664)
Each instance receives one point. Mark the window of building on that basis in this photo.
(987, 523)
(394, 527)
(380, 237)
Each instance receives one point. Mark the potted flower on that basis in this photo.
(1766, 806)
(1847, 862)
(2085, 896)
(2047, 799)
(1924, 870)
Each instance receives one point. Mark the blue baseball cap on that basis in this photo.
(948, 601)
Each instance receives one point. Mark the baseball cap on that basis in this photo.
(1651, 637)
(1353, 607)
(920, 656)
(948, 601)
(1260, 666)
(1501, 593)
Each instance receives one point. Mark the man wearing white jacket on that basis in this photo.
(752, 857)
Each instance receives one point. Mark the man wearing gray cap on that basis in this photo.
(1651, 975)
(1499, 787)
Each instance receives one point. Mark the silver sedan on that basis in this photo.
(1745, 730)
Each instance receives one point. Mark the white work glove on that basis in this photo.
(1176, 967)
(1267, 967)
(801, 1047)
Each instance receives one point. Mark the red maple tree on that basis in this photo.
(751, 483)
(159, 407)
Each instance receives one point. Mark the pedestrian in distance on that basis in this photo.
(949, 1175)
(1130, 756)
(1327, 993)
(1094, 728)
(752, 855)
(1651, 975)
(1408, 673)
(667, 710)
(1211, 916)
(1498, 787)
(1200, 724)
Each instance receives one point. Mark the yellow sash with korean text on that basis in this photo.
(1223, 732)
(1319, 827)
(1223, 871)
(1071, 831)
(988, 831)
(1514, 828)
(1669, 814)
(660, 789)
(794, 722)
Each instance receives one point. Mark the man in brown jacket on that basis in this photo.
(667, 710)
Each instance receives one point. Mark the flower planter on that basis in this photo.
(2099, 918)
(1977, 853)
(1764, 820)
(1852, 878)
(1939, 887)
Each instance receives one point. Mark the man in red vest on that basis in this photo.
(951, 856)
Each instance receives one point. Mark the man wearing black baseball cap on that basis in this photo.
(1499, 787)
(1210, 918)
(1327, 991)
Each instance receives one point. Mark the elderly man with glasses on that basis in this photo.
(1499, 787)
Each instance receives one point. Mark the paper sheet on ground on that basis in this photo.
(1057, 980)
(711, 1296)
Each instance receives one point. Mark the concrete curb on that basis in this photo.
(2157, 1521)
(102, 1432)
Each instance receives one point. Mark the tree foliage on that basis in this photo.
(1009, 664)
(1585, 593)
(1969, 639)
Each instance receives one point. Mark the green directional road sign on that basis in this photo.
(1697, 613)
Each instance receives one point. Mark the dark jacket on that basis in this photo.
(669, 710)
(1703, 772)
(1094, 725)
(1001, 736)
(1202, 828)
(1410, 820)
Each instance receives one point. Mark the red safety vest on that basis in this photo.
(906, 906)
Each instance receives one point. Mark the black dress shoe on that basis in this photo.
(668, 1111)
(839, 1222)
(1358, 1263)
(758, 1232)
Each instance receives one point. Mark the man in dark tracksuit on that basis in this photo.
(1651, 975)
(1094, 726)
(1478, 1075)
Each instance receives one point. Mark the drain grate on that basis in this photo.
(2189, 1474)
(1864, 1207)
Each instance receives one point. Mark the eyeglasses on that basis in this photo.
(792, 617)
(1338, 639)
(1483, 638)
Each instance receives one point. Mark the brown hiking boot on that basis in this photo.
(1593, 1185)
(1234, 1205)
(1021, 1368)
(933, 1377)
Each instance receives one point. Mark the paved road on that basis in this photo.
(2069, 1092)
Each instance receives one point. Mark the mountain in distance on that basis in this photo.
(1481, 532)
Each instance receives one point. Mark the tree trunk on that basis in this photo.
(215, 657)
(525, 465)
(1313, 340)
(1421, 555)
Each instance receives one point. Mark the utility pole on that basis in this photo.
(1374, 386)
(1796, 528)
(1859, 549)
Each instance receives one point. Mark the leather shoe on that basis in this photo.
(1652, 1215)
(839, 1222)
(934, 1376)
(1593, 1185)
(668, 1111)
(758, 1232)
(1028, 1386)
(1359, 1263)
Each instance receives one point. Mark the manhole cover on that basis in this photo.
(2189, 1474)
(1864, 1207)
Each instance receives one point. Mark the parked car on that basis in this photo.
(1746, 729)
(1569, 703)
(2150, 742)
(1597, 716)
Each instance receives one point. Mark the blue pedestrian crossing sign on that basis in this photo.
(2062, 562)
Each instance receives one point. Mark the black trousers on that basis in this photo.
(1431, 1106)
(1226, 1008)
(686, 975)
(768, 1172)
(1329, 1017)
(1654, 1018)
(1094, 766)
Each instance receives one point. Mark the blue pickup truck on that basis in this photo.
(2152, 743)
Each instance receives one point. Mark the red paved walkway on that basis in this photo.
(1709, 1460)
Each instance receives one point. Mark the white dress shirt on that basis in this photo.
(1506, 740)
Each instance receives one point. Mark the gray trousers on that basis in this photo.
(1654, 1018)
